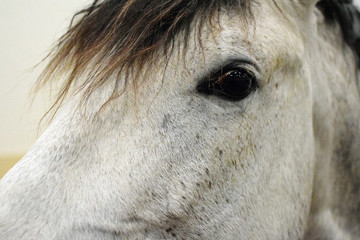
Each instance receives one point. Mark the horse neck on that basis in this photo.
(336, 113)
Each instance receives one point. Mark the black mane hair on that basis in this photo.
(347, 16)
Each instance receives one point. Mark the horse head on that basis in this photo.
(231, 119)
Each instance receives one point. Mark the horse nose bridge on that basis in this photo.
(159, 174)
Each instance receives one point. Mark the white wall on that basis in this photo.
(28, 28)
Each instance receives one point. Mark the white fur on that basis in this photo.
(171, 163)
(357, 3)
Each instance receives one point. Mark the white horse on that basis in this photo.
(189, 119)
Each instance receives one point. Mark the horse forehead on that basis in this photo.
(269, 38)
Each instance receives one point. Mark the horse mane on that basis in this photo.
(114, 36)
(344, 13)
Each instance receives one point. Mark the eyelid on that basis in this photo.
(248, 66)
(243, 63)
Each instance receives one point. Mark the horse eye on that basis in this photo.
(234, 85)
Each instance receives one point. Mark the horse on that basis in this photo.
(189, 119)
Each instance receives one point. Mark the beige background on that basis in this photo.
(28, 28)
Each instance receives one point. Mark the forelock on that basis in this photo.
(116, 36)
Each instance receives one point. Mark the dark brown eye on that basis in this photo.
(233, 85)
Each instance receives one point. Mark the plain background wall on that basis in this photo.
(28, 29)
